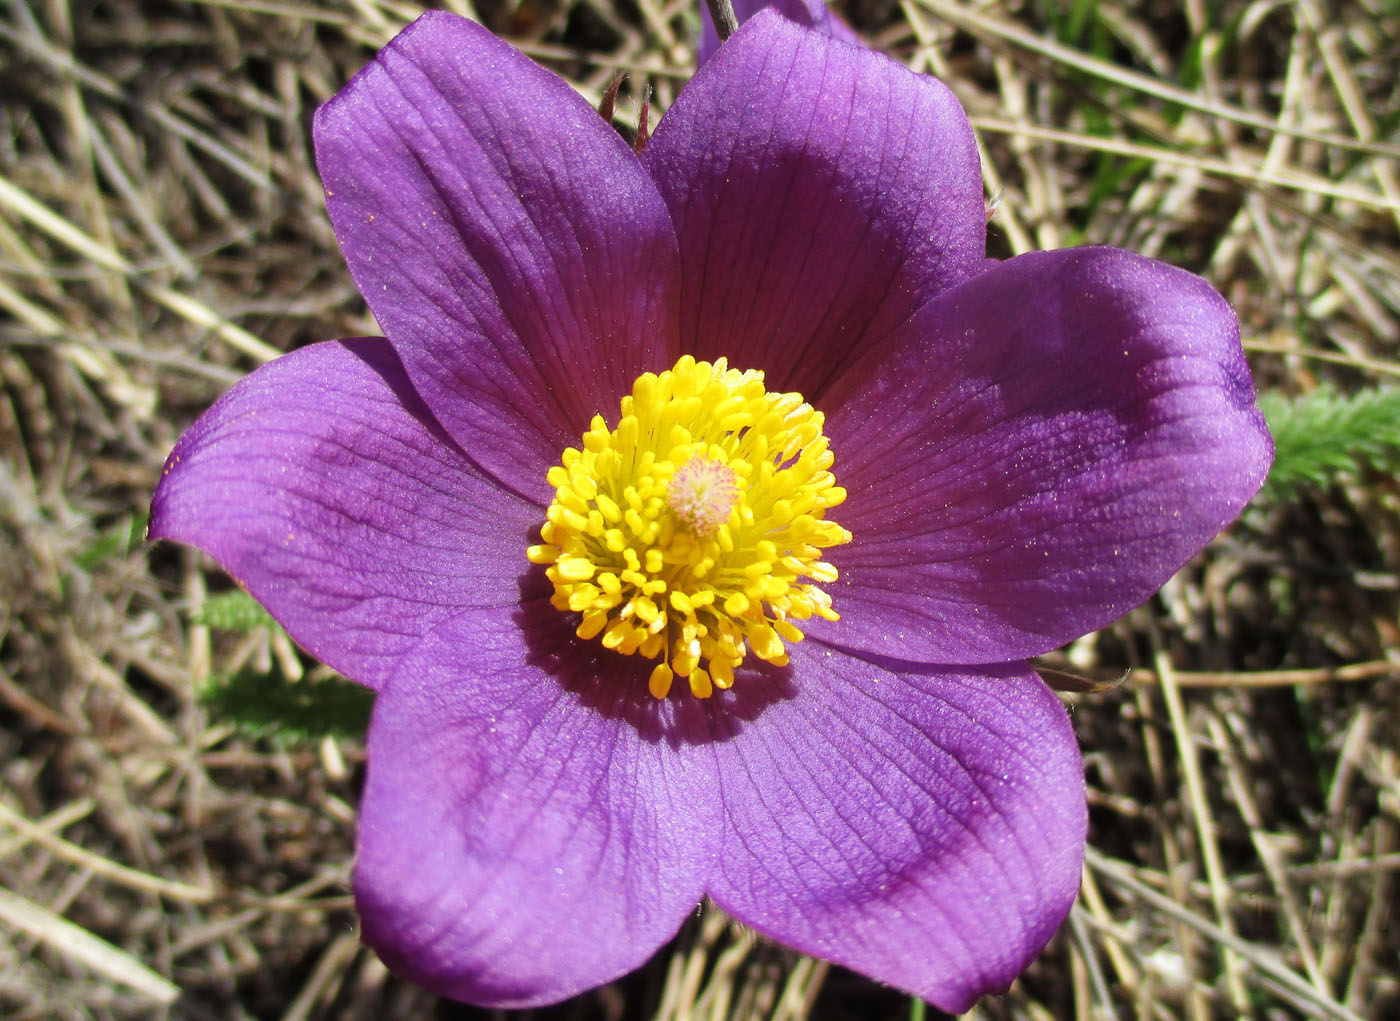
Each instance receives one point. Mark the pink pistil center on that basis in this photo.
(701, 494)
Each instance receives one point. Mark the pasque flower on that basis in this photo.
(696, 516)
(812, 14)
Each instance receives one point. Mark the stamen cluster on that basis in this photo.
(689, 532)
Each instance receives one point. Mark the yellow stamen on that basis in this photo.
(694, 531)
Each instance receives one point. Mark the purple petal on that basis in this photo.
(812, 14)
(322, 484)
(507, 240)
(821, 193)
(923, 828)
(533, 822)
(1038, 453)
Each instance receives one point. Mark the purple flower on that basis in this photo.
(986, 460)
(814, 14)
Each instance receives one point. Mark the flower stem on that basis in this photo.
(722, 14)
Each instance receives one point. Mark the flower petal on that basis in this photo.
(1038, 453)
(821, 193)
(322, 484)
(814, 14)
(924, 828)
(505, 237)
(532, 823)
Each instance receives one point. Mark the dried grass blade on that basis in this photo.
(83, 946)
(1297, 989)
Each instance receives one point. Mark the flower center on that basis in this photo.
(702, 493)
(689, 533)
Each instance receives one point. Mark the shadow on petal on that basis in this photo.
(384, 361)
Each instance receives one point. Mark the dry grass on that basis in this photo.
(162, 231)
